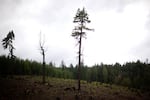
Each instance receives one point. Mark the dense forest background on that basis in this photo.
(131, 74)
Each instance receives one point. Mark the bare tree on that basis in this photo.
(81, 18)
(42, 49)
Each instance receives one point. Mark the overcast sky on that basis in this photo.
(122, 29)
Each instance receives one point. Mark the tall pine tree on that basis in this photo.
(81, 18)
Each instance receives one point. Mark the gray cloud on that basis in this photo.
(28, 17)
(110, 4)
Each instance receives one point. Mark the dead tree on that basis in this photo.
(42, 49)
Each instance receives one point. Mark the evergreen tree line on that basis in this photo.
(131, 74)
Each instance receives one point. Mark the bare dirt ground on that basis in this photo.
(31, 88)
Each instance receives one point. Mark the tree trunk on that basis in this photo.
(43, 67)
(79, 66)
